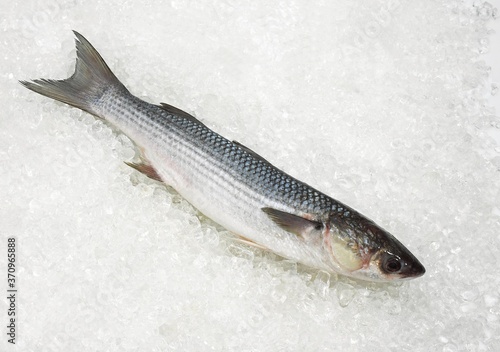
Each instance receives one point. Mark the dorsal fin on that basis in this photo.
(176, 111)
(254, 154)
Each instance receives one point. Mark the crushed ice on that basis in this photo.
(380, 104)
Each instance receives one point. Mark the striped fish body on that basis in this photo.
(223, 179)
(233, 185)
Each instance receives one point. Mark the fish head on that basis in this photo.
(361, 249)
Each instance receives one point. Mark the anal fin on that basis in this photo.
(146, 169)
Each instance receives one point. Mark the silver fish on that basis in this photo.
(232, 184)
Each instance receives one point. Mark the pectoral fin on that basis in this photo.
(146, 169)
(293, 223)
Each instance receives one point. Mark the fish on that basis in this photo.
(230, 183)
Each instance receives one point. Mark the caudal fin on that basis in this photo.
(91, 79)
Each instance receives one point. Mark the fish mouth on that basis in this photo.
(416, 269)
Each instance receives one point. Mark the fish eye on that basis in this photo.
(318, 226)
(392, 264)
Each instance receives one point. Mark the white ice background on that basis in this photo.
(384, 105)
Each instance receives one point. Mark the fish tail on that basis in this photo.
(83, 89)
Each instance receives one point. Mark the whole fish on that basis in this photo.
(232, 184)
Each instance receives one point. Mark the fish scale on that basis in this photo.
(232, 184)
(228, 171)
(257, 174)
(262, 176)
